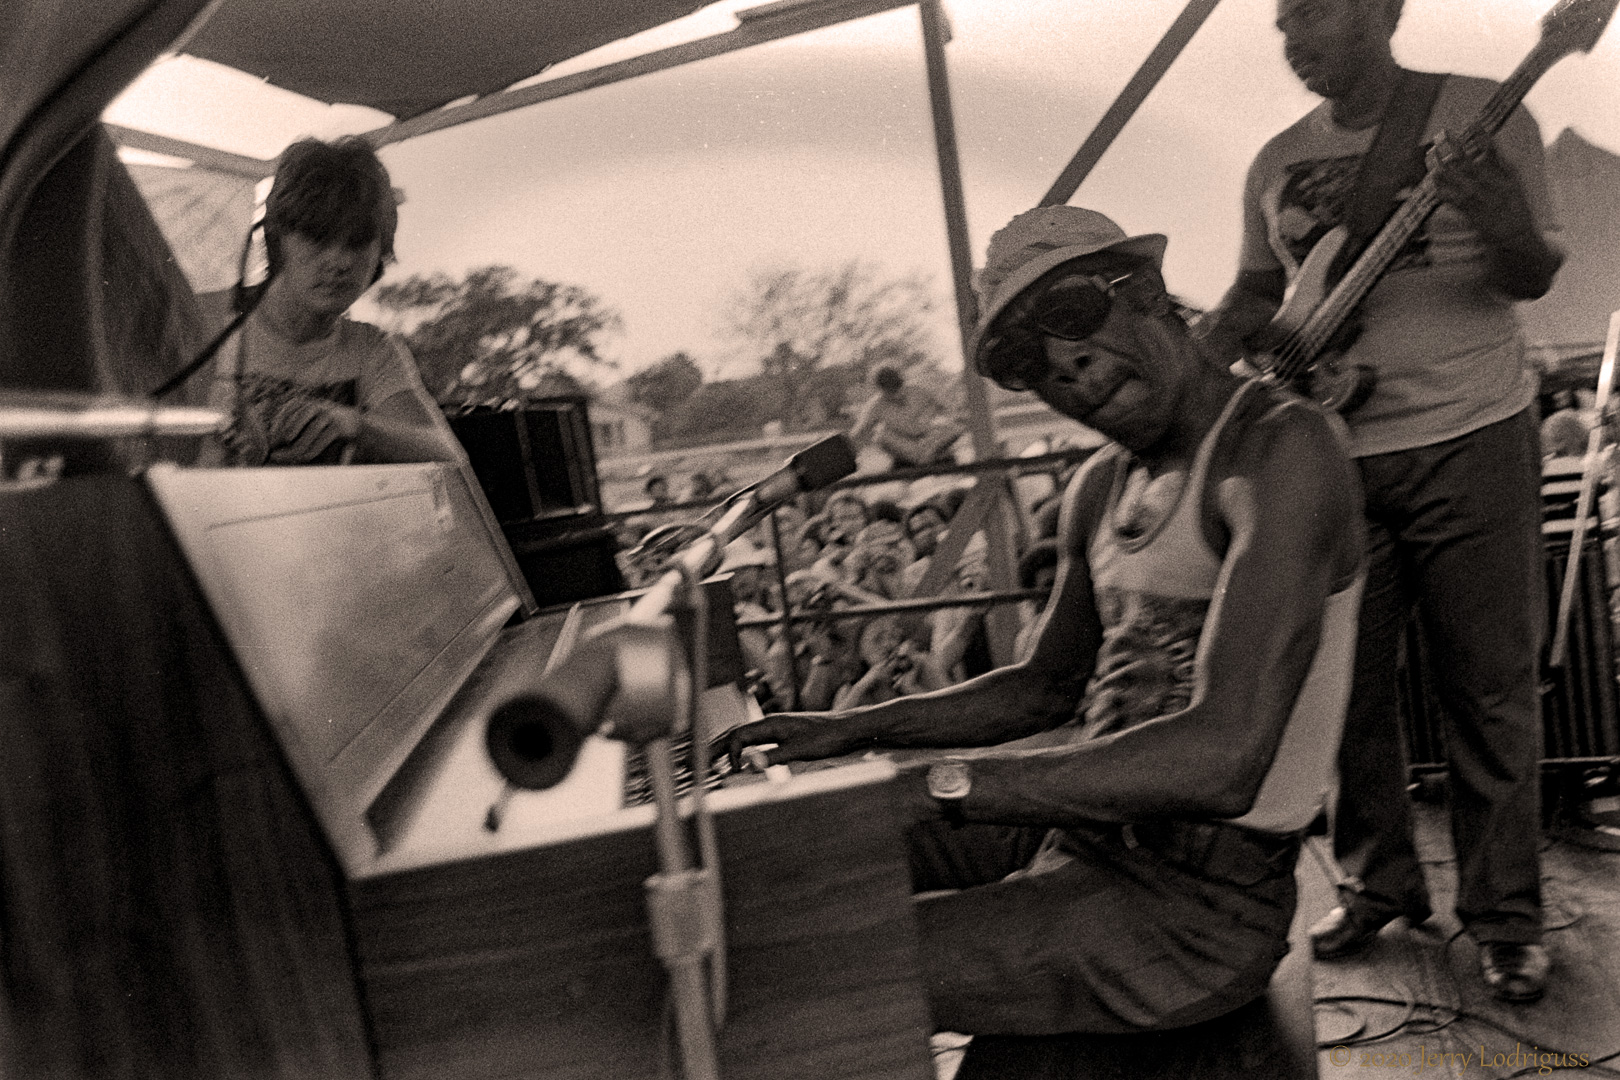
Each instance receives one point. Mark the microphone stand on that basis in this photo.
(655, 680)
(1559, 650)
(684, 903)
(639, 663)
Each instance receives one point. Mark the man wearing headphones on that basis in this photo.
(304, 385)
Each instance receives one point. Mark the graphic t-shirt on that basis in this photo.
(356, 365)
(1444, 343)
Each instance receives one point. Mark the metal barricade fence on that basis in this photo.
(1580, 700)
(1012, 468)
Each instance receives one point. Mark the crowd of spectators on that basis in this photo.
(854, 549)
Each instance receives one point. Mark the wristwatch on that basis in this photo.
(948, 784)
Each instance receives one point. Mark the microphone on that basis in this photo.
(534, 736)
(812, 468)
(816, 466)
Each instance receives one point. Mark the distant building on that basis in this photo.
(618, 426)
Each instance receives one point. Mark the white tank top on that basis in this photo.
(1153, 595)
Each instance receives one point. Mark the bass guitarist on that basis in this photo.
(1447, 448)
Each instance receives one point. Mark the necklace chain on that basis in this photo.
(1147, 500)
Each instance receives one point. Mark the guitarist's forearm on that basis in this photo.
(1247, 308)
(1523, 264)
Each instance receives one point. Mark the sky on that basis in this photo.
(663, 194)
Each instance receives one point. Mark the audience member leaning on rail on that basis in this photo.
(303, 384)
(1129, 864)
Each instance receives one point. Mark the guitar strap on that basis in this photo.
(1394, 161)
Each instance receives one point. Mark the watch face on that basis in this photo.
(949, 780)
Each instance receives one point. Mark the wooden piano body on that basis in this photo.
(257, 789)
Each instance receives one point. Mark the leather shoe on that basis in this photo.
(1350, 928)
(1514, 972)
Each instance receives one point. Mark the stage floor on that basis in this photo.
(1415, 996)
(1413, 1004)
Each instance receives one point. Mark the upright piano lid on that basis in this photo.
(357, 600)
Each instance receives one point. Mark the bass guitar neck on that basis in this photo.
(1315, 308)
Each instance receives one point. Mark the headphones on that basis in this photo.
(245, 297)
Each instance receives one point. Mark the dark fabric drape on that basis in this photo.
(99, 303)
(168, 908)
(60, 64)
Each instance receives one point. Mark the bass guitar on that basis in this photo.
(1314, 308)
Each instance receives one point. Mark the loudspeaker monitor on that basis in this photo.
(536, 462)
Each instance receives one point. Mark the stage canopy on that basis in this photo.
(406, 57)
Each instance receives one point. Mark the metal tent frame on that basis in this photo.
(990, 509)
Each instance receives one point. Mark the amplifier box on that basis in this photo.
(535, 462)
(563, 566)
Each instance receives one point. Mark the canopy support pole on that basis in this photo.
(771, 23)
(206, 156)
(1001, 622)
(935, 33)
(1129, 100)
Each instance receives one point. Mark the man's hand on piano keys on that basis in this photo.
(784, 737)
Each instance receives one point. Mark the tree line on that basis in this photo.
(492, 339)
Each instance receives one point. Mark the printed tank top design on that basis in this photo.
(1153, 594)
(1153, 597)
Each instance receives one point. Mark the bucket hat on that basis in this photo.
(1037, 241)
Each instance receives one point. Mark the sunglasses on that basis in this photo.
(1070, 308)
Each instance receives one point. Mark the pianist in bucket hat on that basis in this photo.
(1103, 838)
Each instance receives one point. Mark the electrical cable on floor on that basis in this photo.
(1413, 1007)
(1561, 909)
(1335, 1005)
(1463, 1015)
(1338, 1001)
(1569, 911)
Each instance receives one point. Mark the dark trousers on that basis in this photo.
(1106, 929)
(1454, 528)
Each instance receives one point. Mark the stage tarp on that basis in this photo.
(405, 57)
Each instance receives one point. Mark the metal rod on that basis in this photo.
(788, 641)
(223, 161)
(688, 979)
(661, 776)
(108, 421)
(934, 34)
(708, 843)
(1013, 466)
(1129, 100)
(1583, 504)
(981, 425)
(787, 619)
(755, 31)
(896, 607)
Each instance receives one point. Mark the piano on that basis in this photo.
(374, 622)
